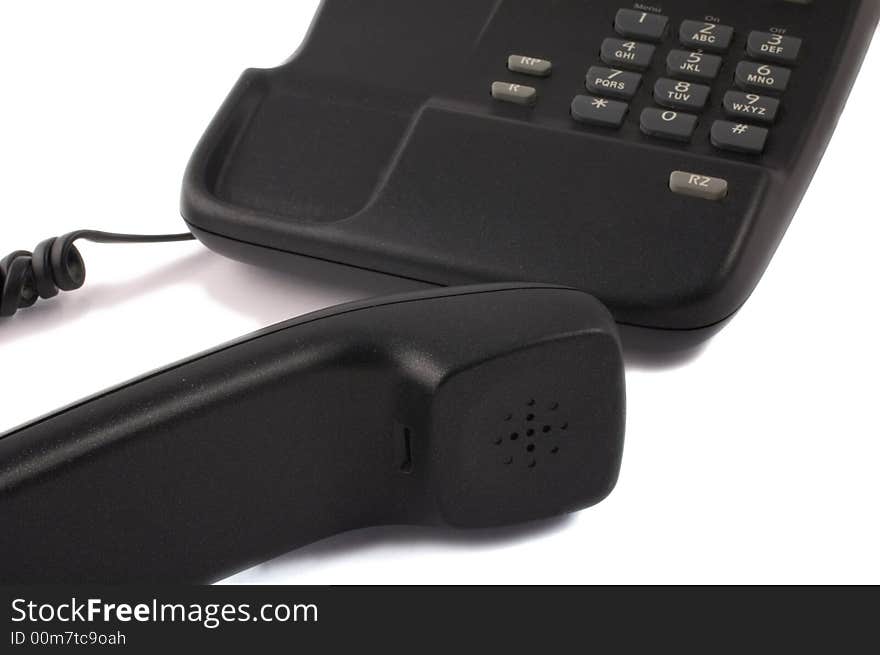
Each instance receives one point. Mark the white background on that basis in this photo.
(755, 462)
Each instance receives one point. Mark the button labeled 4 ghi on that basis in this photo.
(627, 53)
(751, 106)
(613, 82)
(681, 95)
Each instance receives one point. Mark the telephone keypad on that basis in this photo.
(685, 88)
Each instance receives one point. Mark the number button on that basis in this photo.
(613, 82)
(640, 25)
(628, 54)
(762, 77)
(668, 124)
(708, 36)
(750, 106)
(681, 95)
(774, 47)
(695, 65)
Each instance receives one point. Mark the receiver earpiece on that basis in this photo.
(469, 407)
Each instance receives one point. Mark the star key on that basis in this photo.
(598, 111)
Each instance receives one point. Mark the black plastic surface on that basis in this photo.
(472, 407)
(378, 146)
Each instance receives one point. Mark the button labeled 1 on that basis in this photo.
(640, 24)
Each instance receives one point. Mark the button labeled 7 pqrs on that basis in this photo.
(613, 82)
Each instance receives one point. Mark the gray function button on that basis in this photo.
(762, 77)
(695, 65)
(640, 25)
(628, 54)
(613, 82)
(529, 65)
(774, 47)
(515, 93)
(698, 186)
(708, 36)
(668, 124)
(751, 107)
(739, 137)
(598, 111)
(681, 95)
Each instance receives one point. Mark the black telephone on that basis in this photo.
(651, 156)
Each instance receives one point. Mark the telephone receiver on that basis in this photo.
(469, 407)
